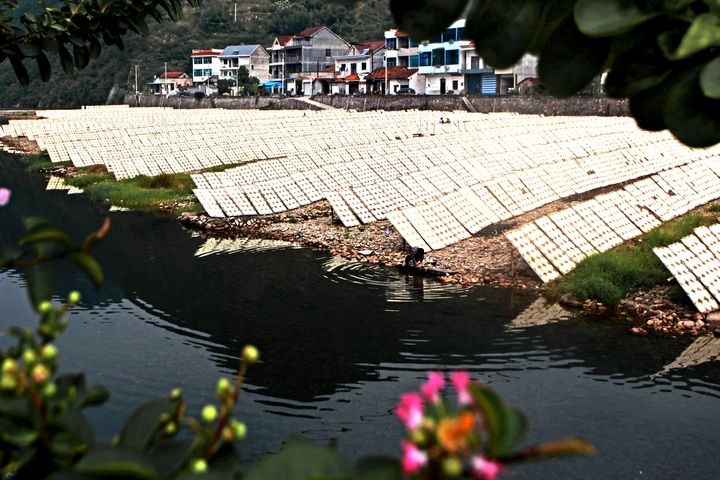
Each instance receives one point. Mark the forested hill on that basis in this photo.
(213, 25)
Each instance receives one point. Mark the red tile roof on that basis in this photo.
(394, 73)
(373, 45)
(171, 75)
(282, 40)
(353, 77)
(309, 32)
(205, 53)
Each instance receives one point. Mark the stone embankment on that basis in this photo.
(526, 104)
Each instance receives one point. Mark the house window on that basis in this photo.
(475, 63)
(363, 66)
(197, 73)
(455, 85)
(197, 61)
(461, 34)
(413, 43)
(414, 61)
(207, 73)
(449, 35)
(425, 59)
(343, 66)
(452, 57)
(391, 62)
(207, 60)
(390, 43)
(438, 57)
(328, 52)
(353, 67)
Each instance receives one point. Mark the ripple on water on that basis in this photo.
(398, 288)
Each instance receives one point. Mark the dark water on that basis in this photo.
(341, 342)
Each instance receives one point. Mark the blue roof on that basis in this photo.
(238, 50)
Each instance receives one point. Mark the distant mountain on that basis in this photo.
(215, 24)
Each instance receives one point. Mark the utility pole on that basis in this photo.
(136, 80)
(386, 73)
(235, 12)
(165, 84)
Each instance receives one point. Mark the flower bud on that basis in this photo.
(240, 429)
(209, 413)
(228, 434)
(50, 390)
(29, 356)
(49, 352)
(164, 417)
(175, 394)
(9, 366)
(418, 437)
(199, 466)
(40, 374)
(45, 307)
(170, 428)
(224, 387)
(250, 354)
(74, 297)
(8, 382)
(452, 467)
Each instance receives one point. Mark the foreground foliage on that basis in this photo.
(610, 276)
(45, 434)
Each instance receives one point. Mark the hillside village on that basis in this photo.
(318, 61)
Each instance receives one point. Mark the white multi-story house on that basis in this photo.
(356, 64)
(205, 65)
(400, 49)
(253, 57)
(440, 60)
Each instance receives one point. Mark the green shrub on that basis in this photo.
(672, 231)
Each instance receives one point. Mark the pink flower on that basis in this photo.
(461, 381)
(413, 459)
(431, 388)
(410, 410)
(4, 196)
(485, 469)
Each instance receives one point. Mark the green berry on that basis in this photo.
(228, 434)
(224, 387)
(250, 354)
(209, 413)
(452, 467)
(49, 352)
(175, 394)
(50, 390)
(199, 466)
(418, 437)
(40, 374)
(8, 382)
(45, 307)
(74, 297)
(240, 429)
(29, 357)
(9, 366)
(171, 428)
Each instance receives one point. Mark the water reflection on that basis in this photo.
(220, 246)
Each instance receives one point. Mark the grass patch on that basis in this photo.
(715, 208)
(609, 276)
(138, 193)
(40, 161)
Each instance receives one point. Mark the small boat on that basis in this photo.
(425, 271)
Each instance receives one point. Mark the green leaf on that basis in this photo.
(66, 60)
(20, 71)
(96, 395)
(94, 48)
(144, 423)
(506, 426)
(8, 255)
(29, 49)
(82, 56)
(46, 234)
(704, 32)
(32, 224)
(647, 107)
(503, 31)
(555, 448)
(709, 80)
(171, 457)
(75, 423)
(66, 444)
(692, 117)
(570, 60)
(605, 18)
(424, 19)
(116, 462)
(89, 265)
(20, 436)
(41, 284)
(553, 15)
(44, 67)
(378, 468)
(301, 461)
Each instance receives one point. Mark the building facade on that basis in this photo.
(400, 49)
(205, 65)
(169, 83)
(356, 64)
(253, 57)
